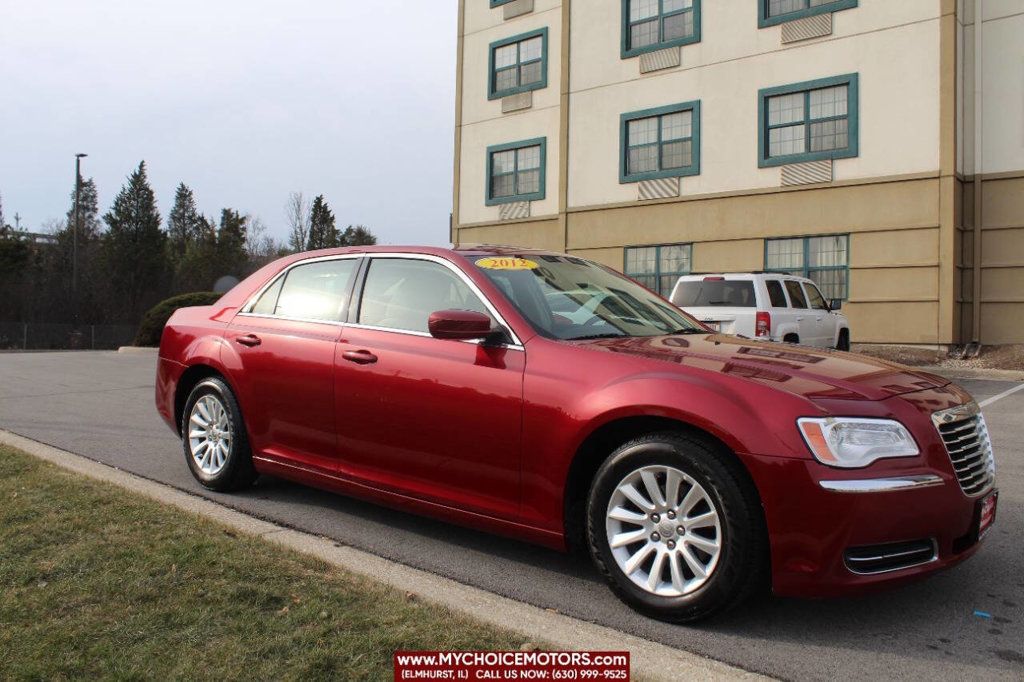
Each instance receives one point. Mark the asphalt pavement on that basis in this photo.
(965, 623)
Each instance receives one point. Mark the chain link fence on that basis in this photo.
(61, 336)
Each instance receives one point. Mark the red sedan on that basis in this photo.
(546, 397)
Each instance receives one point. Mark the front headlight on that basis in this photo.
(851, 443)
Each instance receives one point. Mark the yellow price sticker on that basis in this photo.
(506, 263)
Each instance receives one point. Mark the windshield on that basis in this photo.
(565, 297)
(714, 292)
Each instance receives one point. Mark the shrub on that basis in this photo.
(153, 321)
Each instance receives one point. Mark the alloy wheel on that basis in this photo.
(209, 434)
(664, 531)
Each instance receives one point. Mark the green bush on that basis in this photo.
(153, 321)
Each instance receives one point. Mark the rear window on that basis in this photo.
(775, 294)
(714, 292)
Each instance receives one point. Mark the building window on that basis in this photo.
(649, 25)
(499, 3)
(808, 121)
(515, 171)
(772, 12)
(660, 143)
(825, 260)
(658, 267)
(518, 64)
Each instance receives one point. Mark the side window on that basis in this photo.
(775, 295)
(814, 296)
(401, 294)
(317, 291)
(268, 301)
(796, 294)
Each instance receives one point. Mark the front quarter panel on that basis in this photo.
(561, 410)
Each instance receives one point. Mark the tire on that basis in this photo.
(844, 340)
(679, 594)
(791, 338)
(218, 455)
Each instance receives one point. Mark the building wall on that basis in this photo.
(906, 200)
(898, 107)
(991, 119)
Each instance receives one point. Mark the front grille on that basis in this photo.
(889, 557)
(965, 434)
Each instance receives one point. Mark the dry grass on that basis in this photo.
(98, 583)
(1009, 357)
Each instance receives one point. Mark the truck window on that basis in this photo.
(815, 298)
(715, 293)
(796, 294)
(775, 295)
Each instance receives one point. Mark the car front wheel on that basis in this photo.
(674, 530)
(214, 438)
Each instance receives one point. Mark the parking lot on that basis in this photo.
(965, 623)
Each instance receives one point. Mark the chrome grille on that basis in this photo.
(965, 434)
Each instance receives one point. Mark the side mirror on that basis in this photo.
(459, 325)
(835, 304)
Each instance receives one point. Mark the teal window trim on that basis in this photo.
(628, 51)
(764, 19)
(692, 169)
(499, 3)
(492, 76)
(806, 267)
(852, 149)
(542, 186)
(658, 273)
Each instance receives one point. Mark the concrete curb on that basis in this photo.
(649, 660)
(139, 350)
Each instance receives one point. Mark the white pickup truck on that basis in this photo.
(766, 305)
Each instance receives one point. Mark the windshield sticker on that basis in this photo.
(506, 263)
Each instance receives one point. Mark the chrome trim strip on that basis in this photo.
(515, 345)
(933, 558)
(881, 485)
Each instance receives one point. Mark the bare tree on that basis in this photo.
(296, 211)
(260, 246)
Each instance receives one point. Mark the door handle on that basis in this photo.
(249, 340)
(360, 357)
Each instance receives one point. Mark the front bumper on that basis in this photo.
(812, 527)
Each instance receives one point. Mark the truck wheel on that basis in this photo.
(844, 340)
(674, 530)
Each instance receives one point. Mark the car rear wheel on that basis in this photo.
(673, 529)
(214, 438)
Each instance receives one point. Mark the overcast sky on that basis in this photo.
(243, 100)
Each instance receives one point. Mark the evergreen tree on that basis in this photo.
(88, 212)
(134, 246)
(323, 233)
(231, 254)
(184, 222)
(3, 222)
(359, 235)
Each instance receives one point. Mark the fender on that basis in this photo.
(786, 328)
(742, 412)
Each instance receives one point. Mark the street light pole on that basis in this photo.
(74, 236)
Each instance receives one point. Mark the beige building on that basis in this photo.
(839, 139)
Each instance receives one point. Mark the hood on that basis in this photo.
(808, 372)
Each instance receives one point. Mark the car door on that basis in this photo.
(434, 419)
(802, 313)
(283, 346)
(824, 320)
(783, 317)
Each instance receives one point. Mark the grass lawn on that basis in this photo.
(97, 582)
